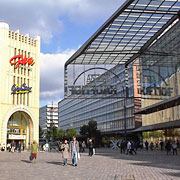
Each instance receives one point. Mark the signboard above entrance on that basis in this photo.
(16, 136)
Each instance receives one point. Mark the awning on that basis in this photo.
(128, 32)
(160, 126)
(171, 102)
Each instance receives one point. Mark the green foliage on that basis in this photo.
(90, 130)
(84, 130)
(54, 133)
(48, 135)
(41, 132)
(61, 134)
(71, 132)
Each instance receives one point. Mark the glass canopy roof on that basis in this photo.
(128, 32)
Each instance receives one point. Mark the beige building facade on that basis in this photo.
(19, 87)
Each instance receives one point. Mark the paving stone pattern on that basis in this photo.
(107, 164)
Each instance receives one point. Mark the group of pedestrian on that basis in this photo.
(130, 148)
(66, 149)
(127, 147)
(12, 147)
(171, 147)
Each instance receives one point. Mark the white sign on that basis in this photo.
(13, 136)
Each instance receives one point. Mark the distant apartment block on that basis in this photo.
(48, 116)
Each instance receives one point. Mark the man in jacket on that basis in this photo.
(74, 150)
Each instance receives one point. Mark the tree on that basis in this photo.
(48, 135)
(54, 133)
(41, 132)
(71, 132)
(84, 130)
(61, 134)
(92, 128)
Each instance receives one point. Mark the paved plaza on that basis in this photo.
(107, 164)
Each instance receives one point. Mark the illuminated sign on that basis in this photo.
(19, 60)
(20, 90)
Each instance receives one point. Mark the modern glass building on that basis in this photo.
(109, 113)
(161, 69)
(133, 38)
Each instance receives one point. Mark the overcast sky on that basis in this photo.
(64, 25)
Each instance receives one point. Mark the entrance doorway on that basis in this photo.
(19, 130)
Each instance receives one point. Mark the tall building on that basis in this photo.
(48, 115)
(19, 87)
(111, 115)
(161, 75)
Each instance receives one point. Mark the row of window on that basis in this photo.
(21, 38)
(109, 125)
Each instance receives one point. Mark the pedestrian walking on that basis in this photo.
(168, 147)
(152, 146)
(146, 145)
(162, 145)
(34, 151)
(65, 151)
(74, 150)
(122, 146)
(19, 147)
(132, 149)
(83, 146)
(91, 146)
(13, 147)
(128, 147)
(156, 144)
(47, 147)
(174, 147)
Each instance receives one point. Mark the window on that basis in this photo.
(15, 51)
(20, 98)
(24, 99)
(19, 37)
(17, 98)
(17, 80)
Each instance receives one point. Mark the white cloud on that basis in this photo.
(52, 75)
(45, 17)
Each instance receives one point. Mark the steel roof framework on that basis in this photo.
(128, 32)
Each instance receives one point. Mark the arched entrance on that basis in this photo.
(19, 129)
(32, 124)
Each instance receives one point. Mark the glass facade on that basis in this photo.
(108, 112)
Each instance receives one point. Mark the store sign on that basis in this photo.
(92, 90)
(19, 60)
(95, 85)
(20, 90)
(156, 91)
(15, 136)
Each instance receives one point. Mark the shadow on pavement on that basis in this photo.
(59, 163)
(154, 158)
(26, 161)
(177, 174)
(56, 163)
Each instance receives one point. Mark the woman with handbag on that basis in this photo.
(65, 152)
(34, 151)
